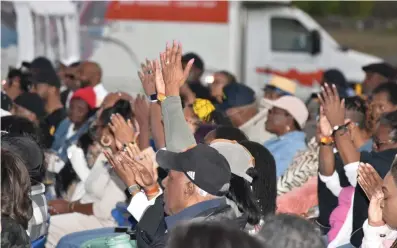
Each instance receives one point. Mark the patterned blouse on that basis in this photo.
(303, 166)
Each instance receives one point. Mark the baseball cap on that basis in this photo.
(294, 106)
(198, 62)
(86, 94)
(237, 95)
(282, 83)
(202, 164)
(41, 63)
(46, 77)
(31, 102)
(384, 69)
(238, 157)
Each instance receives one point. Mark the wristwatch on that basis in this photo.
(133, 188)
(338, 128)
(153, 98)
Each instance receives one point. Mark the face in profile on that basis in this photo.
(381, 138)
(276, 120)
(175, 188)
(389, 205)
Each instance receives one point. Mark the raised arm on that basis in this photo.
(334, 110)
(178, 136)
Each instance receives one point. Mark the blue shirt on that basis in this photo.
(192, 211)
(284, 148)
(367, 147)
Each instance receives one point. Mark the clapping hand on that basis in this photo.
(122, 169)
(369, 180)
(334, 108)
(142, 111)
(123, 130)
(144, 170)
(325, 126)
(375, 217)
(173, 74)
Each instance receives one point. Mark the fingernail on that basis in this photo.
(326, 84)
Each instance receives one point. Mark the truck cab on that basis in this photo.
(284, 40)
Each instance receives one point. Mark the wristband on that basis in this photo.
(161, 97)
(152, 191)
(327, 141)
(153, 98)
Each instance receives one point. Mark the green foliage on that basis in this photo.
(345, 8)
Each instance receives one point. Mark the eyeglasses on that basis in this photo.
(378, 143)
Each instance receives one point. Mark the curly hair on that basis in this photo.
(15, 188)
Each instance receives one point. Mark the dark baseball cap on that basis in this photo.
(202, 164)
(384, 69)
(198, 62)
(46, 77)
(31, 102)
(41, 63)
(236, 95)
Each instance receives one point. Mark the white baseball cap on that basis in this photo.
(238, 157)
(294, 106)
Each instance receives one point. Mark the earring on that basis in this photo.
(106, 141)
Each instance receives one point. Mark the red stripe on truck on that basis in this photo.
(304, 78)
(185, 11)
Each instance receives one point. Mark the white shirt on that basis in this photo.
(100, 93)
(139, 204)
(4, 113)
(377, 237)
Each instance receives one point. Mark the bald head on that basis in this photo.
(90, 74)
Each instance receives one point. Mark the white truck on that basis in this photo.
(250, 39)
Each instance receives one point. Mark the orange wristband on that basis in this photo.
(152, 191)
(327, 141)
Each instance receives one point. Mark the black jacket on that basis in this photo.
(381, 161)
(151, 231)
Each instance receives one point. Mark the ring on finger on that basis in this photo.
(149, 72)
(167, 62)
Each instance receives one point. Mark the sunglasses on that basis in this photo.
(70, 76)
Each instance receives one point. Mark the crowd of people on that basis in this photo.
(191, 165)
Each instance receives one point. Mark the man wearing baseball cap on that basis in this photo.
(47, 85)
(286, 120)
(376, 74)
(195, 177)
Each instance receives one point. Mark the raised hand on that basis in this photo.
(173, 74)
(369, 180)
(147, 77)
(325, 126)
(375, 217)
(334, 108)
(124, 171)
(158, 75)
(123, 130)
(142, 110)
